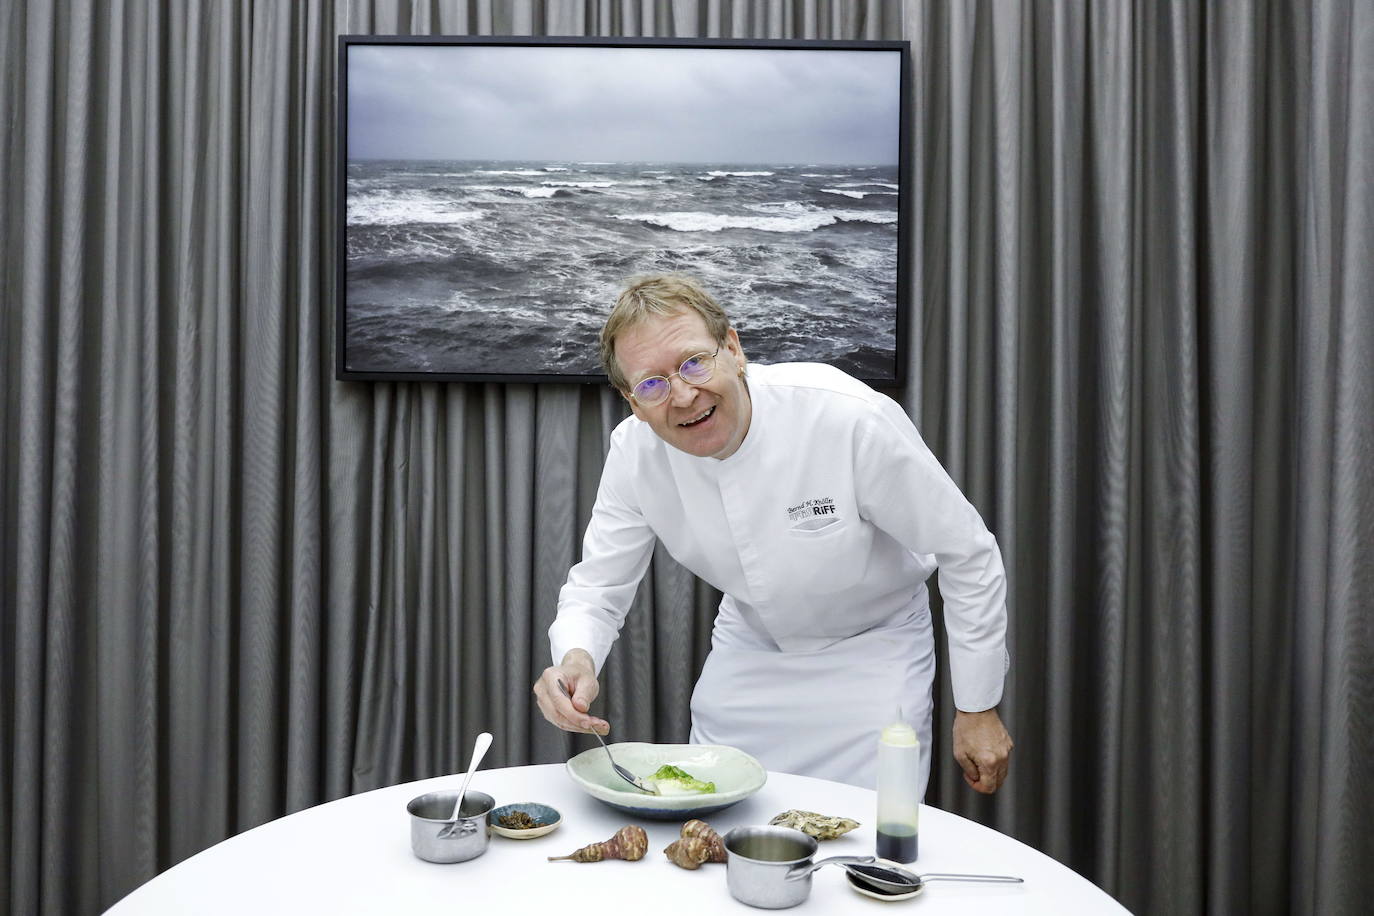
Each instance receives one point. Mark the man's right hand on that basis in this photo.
(579, 674)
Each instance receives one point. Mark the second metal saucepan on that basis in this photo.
(770, 867)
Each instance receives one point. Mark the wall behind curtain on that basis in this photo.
(234, 587)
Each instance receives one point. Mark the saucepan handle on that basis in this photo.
(806, 868)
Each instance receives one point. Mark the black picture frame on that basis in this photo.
(886, 359)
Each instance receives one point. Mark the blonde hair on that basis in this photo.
(657, 294)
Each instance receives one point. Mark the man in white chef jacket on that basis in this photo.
(811, 502)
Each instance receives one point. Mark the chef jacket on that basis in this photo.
(824, 523)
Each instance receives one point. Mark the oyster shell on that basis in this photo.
(820, 826)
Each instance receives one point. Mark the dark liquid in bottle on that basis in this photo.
(897, 842)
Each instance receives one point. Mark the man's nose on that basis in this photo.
(681, 393)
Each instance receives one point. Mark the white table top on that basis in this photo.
(353, 856)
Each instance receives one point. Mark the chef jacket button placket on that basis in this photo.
(734, 501)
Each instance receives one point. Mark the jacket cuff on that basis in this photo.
(977, 677)
(564, 636)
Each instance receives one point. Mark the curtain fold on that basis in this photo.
(234, 587)
(1333, 667)
(1143, 358)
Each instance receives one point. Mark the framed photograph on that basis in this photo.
(495, 194)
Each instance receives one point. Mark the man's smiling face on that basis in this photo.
(708, 420)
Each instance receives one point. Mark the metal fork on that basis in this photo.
(620, 771)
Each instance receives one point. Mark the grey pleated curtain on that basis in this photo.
(234, 587)
(1148, 355)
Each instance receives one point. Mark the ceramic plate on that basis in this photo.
(548, 817)
(736, 775)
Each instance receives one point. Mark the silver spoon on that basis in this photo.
(479, 750)
(890, 879)
(620, 771)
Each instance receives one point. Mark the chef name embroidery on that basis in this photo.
(812, 513)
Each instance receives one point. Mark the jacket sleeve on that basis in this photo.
(616, 550)
(905, 491)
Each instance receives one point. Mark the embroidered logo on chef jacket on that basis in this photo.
(812, 514)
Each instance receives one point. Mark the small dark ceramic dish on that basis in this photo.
(547, 817)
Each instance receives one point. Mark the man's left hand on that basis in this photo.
(982, 747)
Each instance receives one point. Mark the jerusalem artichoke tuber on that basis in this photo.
(689, 852)
(704, 831)
(699, 844)
(629, 843)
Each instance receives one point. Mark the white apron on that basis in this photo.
(818, 713)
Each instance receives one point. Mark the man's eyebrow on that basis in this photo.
(688, 353)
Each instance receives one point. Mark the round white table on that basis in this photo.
(353, 856)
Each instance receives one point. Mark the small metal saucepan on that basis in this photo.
(770, 867)
(436, 837)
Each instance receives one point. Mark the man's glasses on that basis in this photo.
(695, 370)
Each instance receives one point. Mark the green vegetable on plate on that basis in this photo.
(671, 780)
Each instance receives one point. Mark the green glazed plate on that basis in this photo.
(736, 774)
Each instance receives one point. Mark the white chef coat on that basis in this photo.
(820, 530)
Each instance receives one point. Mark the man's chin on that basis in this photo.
(696, 445)
(692, 450)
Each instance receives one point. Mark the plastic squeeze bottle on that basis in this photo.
(899, 757)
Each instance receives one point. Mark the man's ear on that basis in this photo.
(733, 345)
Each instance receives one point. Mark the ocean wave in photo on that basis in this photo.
(509, 268)
(715, 222)
(857, 195)
(541, 191)
(406, 209)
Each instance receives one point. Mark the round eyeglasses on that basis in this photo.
(695, 370)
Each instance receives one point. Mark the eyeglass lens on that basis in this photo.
(694, 371)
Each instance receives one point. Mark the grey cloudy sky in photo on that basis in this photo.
(774, 106)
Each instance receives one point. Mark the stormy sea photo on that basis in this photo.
(493, 215)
